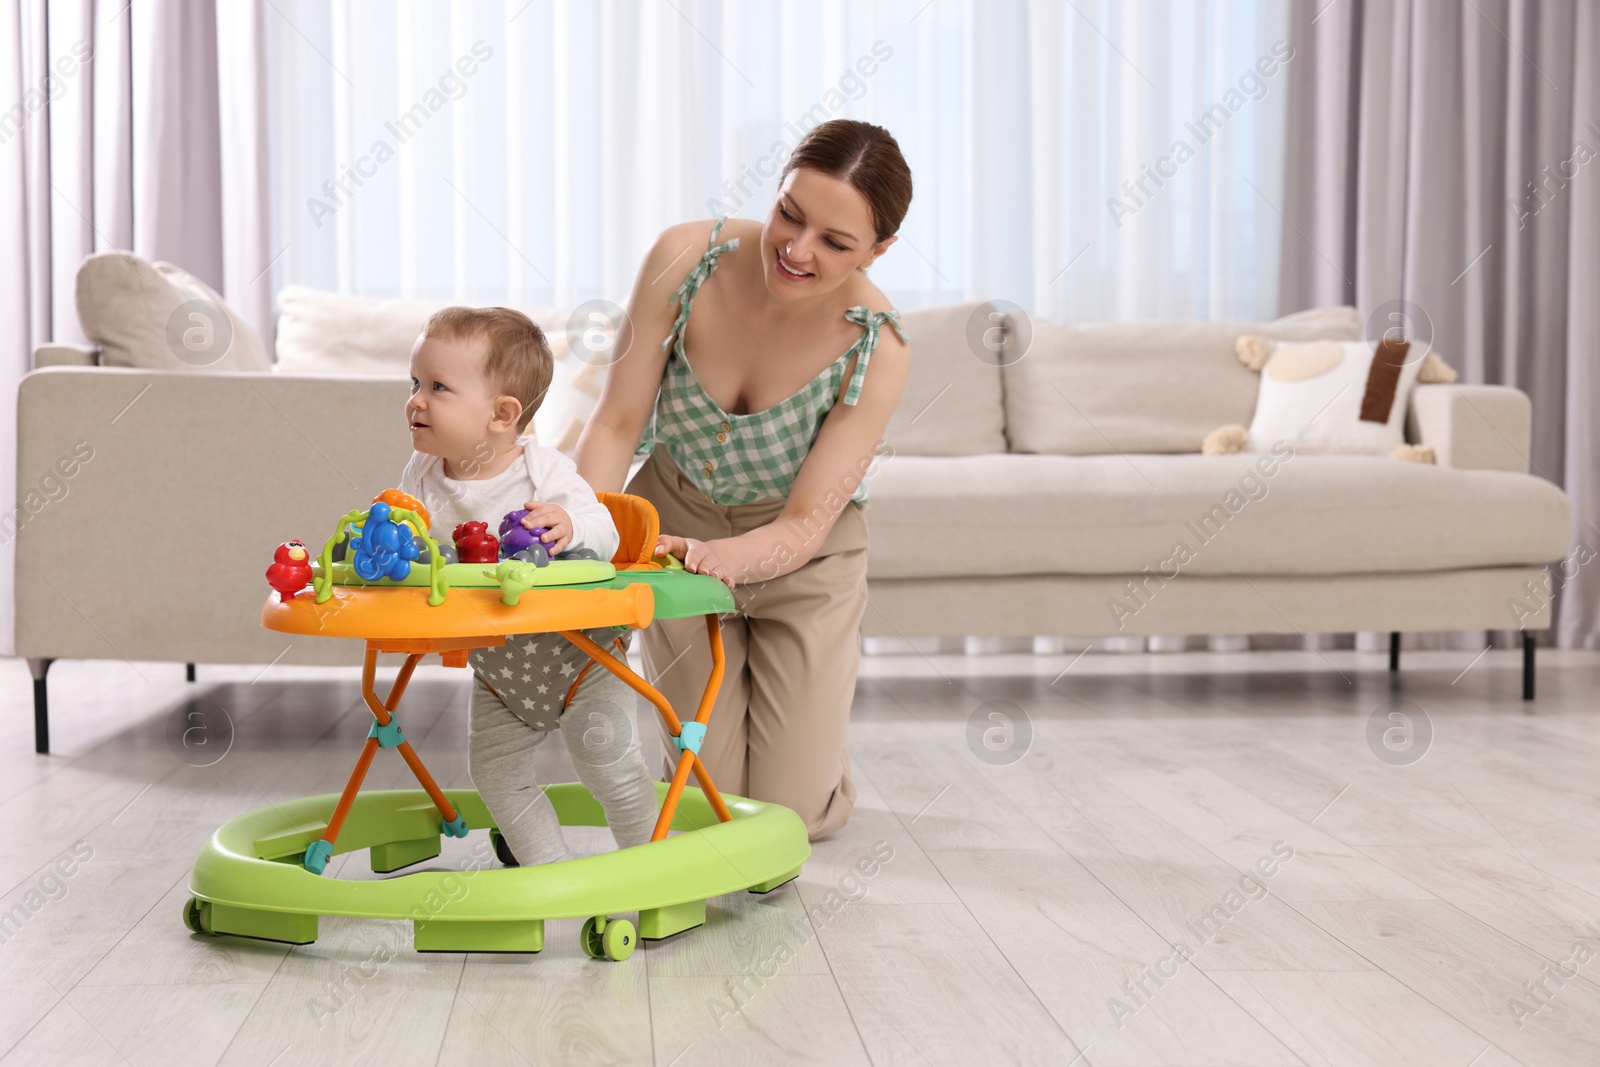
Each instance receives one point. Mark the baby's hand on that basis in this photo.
(555, 520)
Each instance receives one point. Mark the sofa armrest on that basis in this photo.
(1473, 427)
(65, 354)
(149, 503)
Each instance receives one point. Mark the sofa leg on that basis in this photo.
(188, 672)
(1394, 650)
(1527, 664)
(41, 705)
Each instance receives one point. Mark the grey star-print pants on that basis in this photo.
(518, 694)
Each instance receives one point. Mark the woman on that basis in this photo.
(758, 447)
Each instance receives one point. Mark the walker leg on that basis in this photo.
(319, 851)
(669, 803)
(708, 699)
(773, 883)
(283, 926)
(393, 855)
(687, 761)
(703, 776)
(440, 801)
(381, 711)
(467, 935)
(658, 923)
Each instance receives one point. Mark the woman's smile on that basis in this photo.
(787, 270)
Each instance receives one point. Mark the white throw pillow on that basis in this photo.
(326, 333)
(156, 316)
(329, 333)
(582, 362)
(1335, 396)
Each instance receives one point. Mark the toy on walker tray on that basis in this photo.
(382, 578)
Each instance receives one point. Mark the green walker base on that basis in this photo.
(248, 880)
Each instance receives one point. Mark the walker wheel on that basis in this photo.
(194, 915)
(612, 939)
(590, 939)
(619, 939)
(502, 851)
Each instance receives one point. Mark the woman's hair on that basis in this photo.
(517, 358)
(865, 157)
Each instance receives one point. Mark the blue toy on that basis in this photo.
(384, 548)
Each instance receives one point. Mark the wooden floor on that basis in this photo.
(1158, 859)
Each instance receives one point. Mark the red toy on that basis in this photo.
(475, 544)
(291, 569)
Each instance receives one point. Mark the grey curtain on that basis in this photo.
(123, 126)
(1447, 155)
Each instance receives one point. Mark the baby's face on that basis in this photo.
(451, 411)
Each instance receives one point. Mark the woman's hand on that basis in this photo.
(555, 520)
(700, 557)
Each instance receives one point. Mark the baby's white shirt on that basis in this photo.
(540, 473)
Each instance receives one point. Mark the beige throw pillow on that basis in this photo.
(157, 316)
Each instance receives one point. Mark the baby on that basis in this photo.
(477, 377)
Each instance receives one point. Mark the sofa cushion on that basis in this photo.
(156, 316)
(1118, 514)
(329, 333)
(1142, 386)
(951, 403)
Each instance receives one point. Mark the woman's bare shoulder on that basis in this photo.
(745, 229)
(684, 241)
(865, 294)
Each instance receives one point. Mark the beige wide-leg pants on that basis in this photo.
(777, 732)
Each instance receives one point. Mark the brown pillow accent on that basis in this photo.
(1383, 379)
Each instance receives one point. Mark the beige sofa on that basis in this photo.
(1075, 466)
(1034, 477)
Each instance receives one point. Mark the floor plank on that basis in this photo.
(554, 1007)
(782, 1019)
(1474, 972)
(1125, 994)
(1345, 1018)
(925, 983)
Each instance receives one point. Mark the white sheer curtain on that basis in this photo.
(548, 142)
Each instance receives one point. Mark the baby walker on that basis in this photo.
(261, 875)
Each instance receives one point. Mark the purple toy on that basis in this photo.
(515, 537)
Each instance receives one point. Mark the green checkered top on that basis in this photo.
(740, 459)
